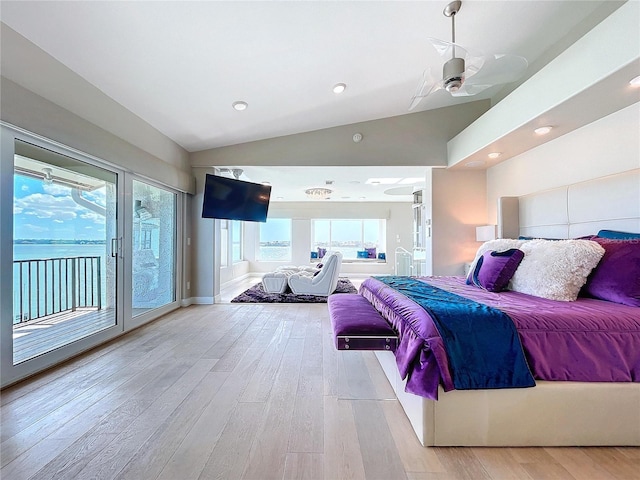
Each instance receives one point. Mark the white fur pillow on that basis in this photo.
(555, 269)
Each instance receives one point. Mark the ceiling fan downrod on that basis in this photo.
(453, 70)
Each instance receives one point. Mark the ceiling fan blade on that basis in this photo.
(447, 50)
(468, 90)
(498, 69)
(429, 84)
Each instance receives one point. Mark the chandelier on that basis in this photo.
(318, 193)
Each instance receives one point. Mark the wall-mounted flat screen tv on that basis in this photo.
(231, 199)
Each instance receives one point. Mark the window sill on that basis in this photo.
(359, 260)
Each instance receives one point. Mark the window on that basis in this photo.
(275, 240)
(224, 243)
(236, 241)
(349, 236)
(231, 233)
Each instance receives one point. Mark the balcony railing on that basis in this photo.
(55, 285)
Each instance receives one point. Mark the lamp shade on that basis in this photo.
(485, 233)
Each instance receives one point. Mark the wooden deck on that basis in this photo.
(39, 336)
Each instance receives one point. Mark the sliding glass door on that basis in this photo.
(87, 251)
(66, 250)
(154, 229)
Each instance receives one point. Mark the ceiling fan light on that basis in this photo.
(453, 85)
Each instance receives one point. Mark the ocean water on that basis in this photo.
(44, 251)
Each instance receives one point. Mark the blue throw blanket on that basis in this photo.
(482, 343)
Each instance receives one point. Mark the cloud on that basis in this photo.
(56, 190)
(96, 196)
(94, 217)
(25, 188)
(28, 227)
(42, 205)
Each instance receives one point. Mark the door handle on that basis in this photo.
(116, 247)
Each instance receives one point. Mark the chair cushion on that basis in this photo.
(275, 282)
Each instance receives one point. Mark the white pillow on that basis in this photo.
(555, 269)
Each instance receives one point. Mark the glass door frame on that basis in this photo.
(9, 372)
(127, 245)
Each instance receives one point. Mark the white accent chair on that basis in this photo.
(322, 283)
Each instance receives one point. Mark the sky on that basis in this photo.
(42, 211)
(275, 229)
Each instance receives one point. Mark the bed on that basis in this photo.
(584, 355)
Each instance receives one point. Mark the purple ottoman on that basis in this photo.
(357, 325)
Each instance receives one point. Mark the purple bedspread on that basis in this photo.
(584, 341)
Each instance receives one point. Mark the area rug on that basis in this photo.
(256, 294)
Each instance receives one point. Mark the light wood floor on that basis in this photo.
(232, 391)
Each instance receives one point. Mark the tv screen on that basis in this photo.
(232, 199)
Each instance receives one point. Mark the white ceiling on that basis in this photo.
(180, 65)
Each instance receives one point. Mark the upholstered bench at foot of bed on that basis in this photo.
(357, 325)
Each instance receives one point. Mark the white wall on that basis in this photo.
(36, 114)
(458, 207)
(607, 146)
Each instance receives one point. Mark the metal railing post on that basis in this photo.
(99, 283)
(73, 285)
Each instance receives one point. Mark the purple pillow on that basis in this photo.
(617, 276)
(371, 252)
(494, 269)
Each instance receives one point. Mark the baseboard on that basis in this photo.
(202, 300)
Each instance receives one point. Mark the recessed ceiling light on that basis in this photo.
(635, 82)
(240, 105)
(493, 155)
(339, 87)
(362, 198)
(279, 198)
(543, 130)
(264, 182)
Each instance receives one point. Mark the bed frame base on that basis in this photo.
(549, 414)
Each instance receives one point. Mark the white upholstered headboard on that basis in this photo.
(611, 202)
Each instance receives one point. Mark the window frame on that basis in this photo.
(380, 244)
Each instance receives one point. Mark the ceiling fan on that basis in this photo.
(466, 73)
